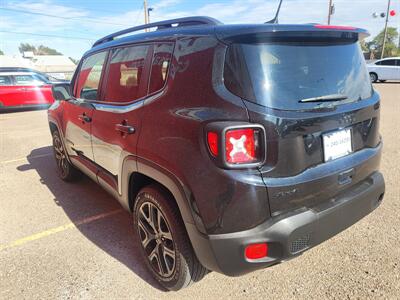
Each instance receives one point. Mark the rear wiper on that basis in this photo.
(333, 97)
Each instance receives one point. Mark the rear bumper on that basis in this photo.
(290, 234)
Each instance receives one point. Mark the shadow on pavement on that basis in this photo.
(113, 234)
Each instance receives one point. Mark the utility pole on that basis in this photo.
(384, 35)
(146, 17)
(329, 12)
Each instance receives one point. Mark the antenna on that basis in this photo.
(275, 19)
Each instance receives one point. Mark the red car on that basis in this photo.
(24, 90)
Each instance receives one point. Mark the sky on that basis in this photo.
(71, 27)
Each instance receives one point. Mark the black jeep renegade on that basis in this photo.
(235, 147)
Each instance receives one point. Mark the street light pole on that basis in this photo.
(384, 35)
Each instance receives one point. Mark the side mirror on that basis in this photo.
(61, 91)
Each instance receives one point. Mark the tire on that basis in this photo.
(164, 235)
(382, 80)
(66, 171)
(373, 77)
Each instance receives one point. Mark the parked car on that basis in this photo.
(45, 77)
(235, 147)
(385, 69)
(24, 89)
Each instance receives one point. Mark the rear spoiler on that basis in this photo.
(277, 32)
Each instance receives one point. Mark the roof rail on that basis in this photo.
(189, 21)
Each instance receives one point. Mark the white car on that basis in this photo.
(385, 69)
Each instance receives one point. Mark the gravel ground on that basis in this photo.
(97, 260)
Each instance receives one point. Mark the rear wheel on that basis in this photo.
(163, 240)
(373, 77)
(66, 171)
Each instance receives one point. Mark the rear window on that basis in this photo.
(27, 80)
(160, 65)
(279, 75)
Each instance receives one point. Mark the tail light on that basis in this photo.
(212, 140)
(236, 146)
(242, 146)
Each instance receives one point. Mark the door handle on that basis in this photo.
(124, 128)
(85, 118)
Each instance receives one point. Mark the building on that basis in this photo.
(59, 66)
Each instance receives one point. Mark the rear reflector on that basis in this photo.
(212, 140)
(335, 27)
(256, 251)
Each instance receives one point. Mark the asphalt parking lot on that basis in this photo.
(70, 241)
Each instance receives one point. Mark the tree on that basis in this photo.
(1, 52)
(24, 47)
(390, 47)
(40, 50)
(43, 50)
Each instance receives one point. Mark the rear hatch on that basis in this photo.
(310, 89)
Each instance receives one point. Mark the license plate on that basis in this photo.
(337, 144)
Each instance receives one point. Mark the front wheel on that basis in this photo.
(373, 77)
(163, 240)
(66, 171)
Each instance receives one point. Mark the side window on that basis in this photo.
(126, 74)
(5, 80)
(27, 80)
(398, 62)
(378, 63)
(160, 66)
(89, 76)
(389, 62)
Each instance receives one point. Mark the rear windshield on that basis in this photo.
(280, 75)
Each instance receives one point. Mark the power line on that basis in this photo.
(138, 15)
(48, 35)
(59, 17)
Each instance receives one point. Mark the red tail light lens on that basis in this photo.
(212, 140)
(242, 146)
(256, 251)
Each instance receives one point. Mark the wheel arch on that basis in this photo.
(146, 173)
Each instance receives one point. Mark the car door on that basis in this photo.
(32, 90)
(116, 120)
(396, 75)
(78, 112)
(387, 69)
(8, 91)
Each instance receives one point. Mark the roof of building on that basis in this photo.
(43, 63)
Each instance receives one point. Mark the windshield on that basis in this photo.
(280, 75)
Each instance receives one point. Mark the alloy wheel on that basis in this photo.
(61, 158)
(156, 239)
